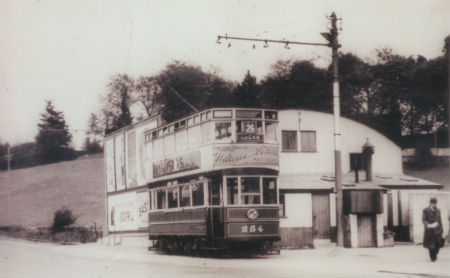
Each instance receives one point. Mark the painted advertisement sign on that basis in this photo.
(120, 161)
(122, 212)
(128, 211)
(176, 164)
(109, 160)
(245, 156)
(131, 159)
(143, 208)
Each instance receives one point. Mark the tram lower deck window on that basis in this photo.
(197, 194)
(172, 197)
(232, 191)
(250, 193)
(161, 199)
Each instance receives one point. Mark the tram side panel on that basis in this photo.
(192, 222)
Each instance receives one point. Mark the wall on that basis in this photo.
(418, 200)
(296, 227)
(353, 137)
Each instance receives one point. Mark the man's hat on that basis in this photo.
(433, 200)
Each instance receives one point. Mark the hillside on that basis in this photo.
(29, 197)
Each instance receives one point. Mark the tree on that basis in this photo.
(148, 94)
(117, 103)
(94, 131)
(53, 139)
(247, 93)
(354, 83)
(297, 85)
(185, 88)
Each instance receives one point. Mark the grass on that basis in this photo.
(68, 235)
(439, 174)
(29, 197)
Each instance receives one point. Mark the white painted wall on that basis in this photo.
(386, 159)
(298, 211)
(418, 200)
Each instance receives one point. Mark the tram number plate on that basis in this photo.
(252, 229)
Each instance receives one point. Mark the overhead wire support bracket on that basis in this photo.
(265, 41)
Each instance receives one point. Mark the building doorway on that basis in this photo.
(321, 215)
(367, 230)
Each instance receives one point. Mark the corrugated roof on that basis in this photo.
(325, 181)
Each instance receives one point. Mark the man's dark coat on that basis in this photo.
(432, 236)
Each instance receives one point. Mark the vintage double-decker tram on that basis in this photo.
(206, 182)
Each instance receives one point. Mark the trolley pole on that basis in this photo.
(332, 38)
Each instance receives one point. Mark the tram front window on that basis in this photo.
(269, 191)
(232, 191)
(250, 193)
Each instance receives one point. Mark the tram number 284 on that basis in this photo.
(246, 229)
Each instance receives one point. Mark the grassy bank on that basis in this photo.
(69, 235)
(29, 197)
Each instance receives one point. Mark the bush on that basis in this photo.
(423, 158)
(63, 218)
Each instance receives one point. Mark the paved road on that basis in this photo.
(19, 258)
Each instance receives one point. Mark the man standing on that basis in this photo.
(432, 236)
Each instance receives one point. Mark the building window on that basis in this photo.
(197, 194)
(289, 140)
(232, 191)
(356, 162)
(282, 207)
(308, 139)
(269, 191)
(251, 192)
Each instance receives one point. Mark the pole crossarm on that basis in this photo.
(226, 37)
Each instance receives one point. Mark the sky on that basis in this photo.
(67, 51)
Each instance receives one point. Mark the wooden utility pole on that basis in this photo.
(337, 134)
(332, 38)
